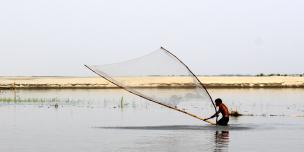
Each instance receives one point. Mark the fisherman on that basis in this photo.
(223, 110)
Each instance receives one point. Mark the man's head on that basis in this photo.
(218, 101)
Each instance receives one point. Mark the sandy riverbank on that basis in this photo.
(152, 82)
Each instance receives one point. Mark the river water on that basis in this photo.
(98, 120)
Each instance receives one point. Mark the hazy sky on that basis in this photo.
(39, 37)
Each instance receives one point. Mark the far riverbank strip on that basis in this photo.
(151, 82)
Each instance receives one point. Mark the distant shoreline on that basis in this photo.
(58, 82)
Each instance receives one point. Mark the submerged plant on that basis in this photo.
(235, 113)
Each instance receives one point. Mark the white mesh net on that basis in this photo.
(160, 68)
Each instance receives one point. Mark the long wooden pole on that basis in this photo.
(148, 98)
(202, 85)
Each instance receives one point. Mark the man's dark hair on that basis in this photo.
(218, 100)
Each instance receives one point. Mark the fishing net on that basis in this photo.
(175, 86)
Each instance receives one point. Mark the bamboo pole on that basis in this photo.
(202, 85)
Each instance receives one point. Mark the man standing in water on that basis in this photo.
(223, 110)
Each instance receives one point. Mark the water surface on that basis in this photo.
(113, 120)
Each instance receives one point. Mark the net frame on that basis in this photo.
(132, 91)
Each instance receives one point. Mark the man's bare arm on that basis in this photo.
(216, 114)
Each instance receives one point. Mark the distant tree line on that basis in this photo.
(240, 75)
(278, 74)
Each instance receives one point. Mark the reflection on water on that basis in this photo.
(180, 127)
(221, 141)
(221, 137)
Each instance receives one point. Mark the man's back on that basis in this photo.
(224, 110)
